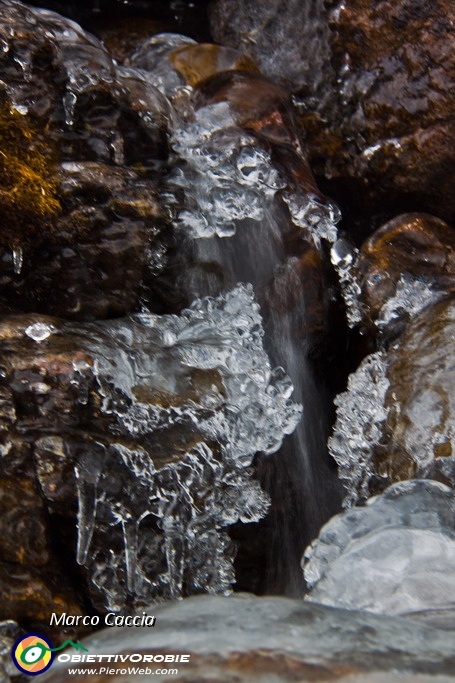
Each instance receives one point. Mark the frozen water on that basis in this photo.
(280, 640)
(40, 331)
(394, 556)
(236, 216)
(411, 296)
(245, 408)
(344, 258)
(151, 57)
(85, 64)
(320, 219)
(18, 260)
(226, 177)
(358, 427)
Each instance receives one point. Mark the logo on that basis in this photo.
(33, 654)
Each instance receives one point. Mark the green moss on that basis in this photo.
(28, 188)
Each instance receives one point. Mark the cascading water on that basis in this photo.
(236, 217)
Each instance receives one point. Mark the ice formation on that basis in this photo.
(358, 428)
(87, 69)
(226, 177)
(171, 510)
(394, 556)
(411, 296)
(344, 258)
(270, 639)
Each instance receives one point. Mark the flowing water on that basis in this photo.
(235, 219)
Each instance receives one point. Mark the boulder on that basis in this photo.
(243, 638)
(373, 83)
(406, 265)
(396, 419)
(394, 556)
(129, 443)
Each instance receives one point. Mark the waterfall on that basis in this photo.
(238, 221)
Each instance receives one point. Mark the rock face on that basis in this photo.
(406, 265)
(143, 431)
(100, 257)
(374, 84)
(397, 74)
(82, 139)
(394, 556)
(242, 638)
(396, 420)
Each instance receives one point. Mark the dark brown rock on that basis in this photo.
(30, 595)
(374, 84)
(100, 257)
(397, 115)
(81, 139)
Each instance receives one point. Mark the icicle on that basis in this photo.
(18, 260)
(88, 471)
(130, 538)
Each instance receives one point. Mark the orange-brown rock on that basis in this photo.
(197, 62)
(412, 249)
(28, 187)
(419, 428)
(396, 421)
(31, 594)
(95, 262)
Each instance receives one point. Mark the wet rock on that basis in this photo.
(32, 594)
(83, 139)
(394, 556)
(406, 265)
(28, 194)
(396, 420)
(244, 638)
(9, 633)
(103, 253)
(392, 140)
(373, 85)
(33, 579)
(172, 60)
(141, 432)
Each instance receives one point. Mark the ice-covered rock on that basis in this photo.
(246, 639)
(396, 420)
(145, 429)
(394, 556)
(404, 266)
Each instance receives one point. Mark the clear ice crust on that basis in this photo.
(177, 406)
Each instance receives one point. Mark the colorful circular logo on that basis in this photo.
(32, 654)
